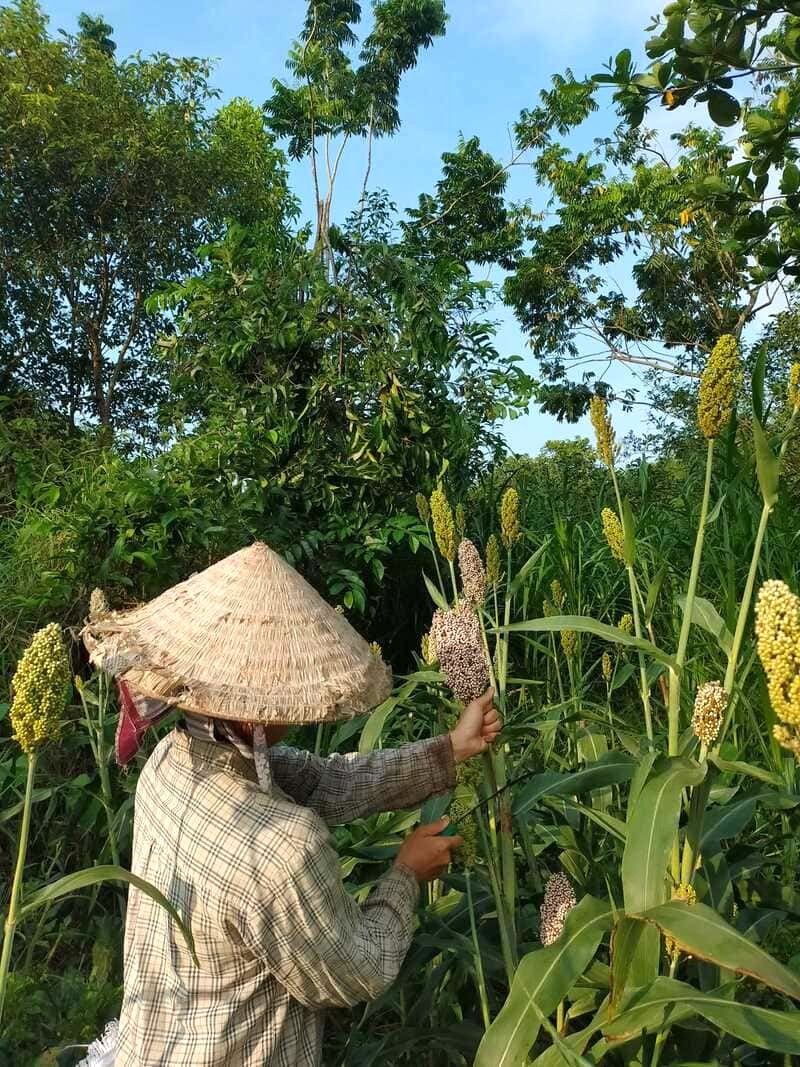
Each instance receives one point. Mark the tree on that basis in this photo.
(332, 99)
(113, 173)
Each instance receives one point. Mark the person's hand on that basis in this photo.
(426, 853)
(477, 728)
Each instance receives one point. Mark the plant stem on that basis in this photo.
(686, 621)
(16, 885)
(479, 976)
(509, 955)
(435, 557)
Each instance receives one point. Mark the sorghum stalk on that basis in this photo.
(507, 948)
(12, 917)
(686, 622)
(97, 741)
(476, 949)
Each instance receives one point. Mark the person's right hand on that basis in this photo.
(426, 853)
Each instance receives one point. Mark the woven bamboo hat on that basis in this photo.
(247, 639)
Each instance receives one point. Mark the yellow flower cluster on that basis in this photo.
(509, 517)
(427, 649)
(778, 644)
(626, 623)
(718, 386)
(794, 387)
(709, 708)
(375, 649)
(569, 643)
(41, 689)
(492, 561)
(612, 528)
(423, 507)
(443, 524)
(686, 893)
(603, 430)
(607, 667)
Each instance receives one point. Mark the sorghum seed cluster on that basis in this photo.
(718, 386)
(40, 689)
(473, 576)
(709, 708)
(457, 638)
(559, 899)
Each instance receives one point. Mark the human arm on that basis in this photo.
(345, 787)
(325, 949)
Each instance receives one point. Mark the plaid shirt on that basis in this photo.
(254, 873)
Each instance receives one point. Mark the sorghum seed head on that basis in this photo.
(427, 649)
(40, 689)
(607, 667)
(558, 594)
(612, 528)
(443, 525)
(569, 643)
(98, 605)
(375, 649)
(492, 561)
(778, 645)
(709, 708)
(463, 802)
(509, 517)
(459, 648)
(603, 430)
(718, 386)
(473, 576)
(686, 893)
(626, 623)
(547, 609)
(423, 507)
(793, 395)
(460, 522)
(559, 899)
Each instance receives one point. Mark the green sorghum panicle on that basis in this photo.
(460, 522)
(793, 396)
(492, 561)
(558, 594)
(612, 528)
(569, 643)
(718, 386)
(443, 525)
(510, 530)
(778, 645)
(607, 667)
(423, 507)
(427, 649)
(626, 623)
(603, 430)
(40, 687)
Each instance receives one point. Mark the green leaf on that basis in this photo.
(522, 574)
(585, 624)
(668, 1000)
(705, 615)
(542, 980)
(626, 949)
(757, 383)
(576, 1042)
(651, 831)
(790, 179)
(703, 933)
(610, 769)
(723, 108)
(768, 466)
(108, 872)
(652, 592)
(373, 728)
(435, 593)
(737, 767)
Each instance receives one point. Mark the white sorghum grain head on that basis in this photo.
(709, 708)
(456, 636)
(559, 899)
(473, 576)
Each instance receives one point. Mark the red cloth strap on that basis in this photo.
(136, 715)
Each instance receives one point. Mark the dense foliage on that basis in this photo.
(185, 367)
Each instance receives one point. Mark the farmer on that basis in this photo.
(233, 828)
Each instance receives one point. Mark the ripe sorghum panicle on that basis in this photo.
(718, 386)
(473, 576)
(423, 507)
(510, 530)
(457, 637)
(607, 667)
(604, 432)
(443, 525)
(709, 708)
(778, 644)
(559, 899)
(612, 528)
(492, 561)
(40, 689)
(98, 605)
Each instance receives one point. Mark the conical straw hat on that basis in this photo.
(247, 639)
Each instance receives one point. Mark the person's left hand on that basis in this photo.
(477, 728)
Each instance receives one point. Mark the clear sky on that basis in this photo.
(496, 57)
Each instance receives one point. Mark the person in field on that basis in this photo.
(233, 827)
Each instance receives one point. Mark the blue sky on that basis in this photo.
(495, 58)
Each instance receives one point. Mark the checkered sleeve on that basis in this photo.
(326, 950)
(345, 787)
